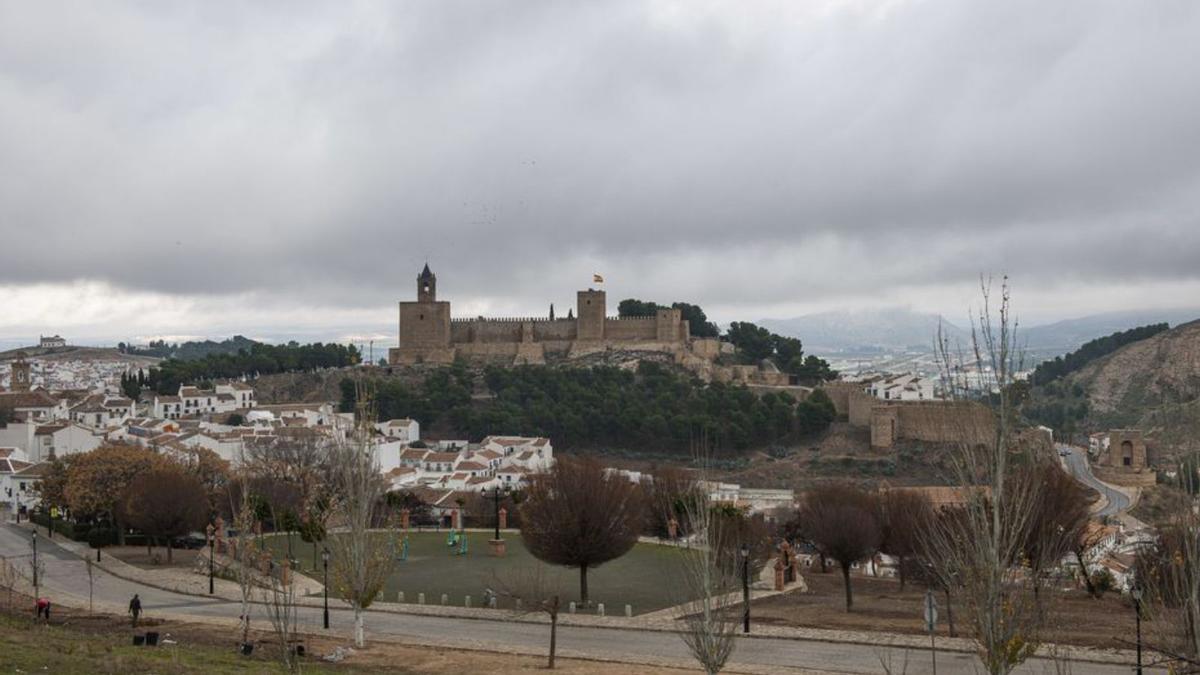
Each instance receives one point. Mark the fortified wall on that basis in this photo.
(929, 421)
(428, 334)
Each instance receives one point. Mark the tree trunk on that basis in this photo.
(359, 639)
(824, 564)
(553, 636)
(900, 571)
(846, 580)
(170, 559)
(120, 531)
(949, 613)
(1087, 580)
(583, 590)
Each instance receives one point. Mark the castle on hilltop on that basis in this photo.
(428, 334)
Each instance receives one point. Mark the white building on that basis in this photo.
(242, 394)
(404, 430)
(63, 439)
(49, 341)
(903, 387)
(37, 405)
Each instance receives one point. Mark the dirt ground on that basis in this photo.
(879, 605)
(85, 643)
(156, 558)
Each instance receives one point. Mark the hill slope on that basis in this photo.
(1152, 384)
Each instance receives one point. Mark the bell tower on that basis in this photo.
(20, 370)
(426, 285)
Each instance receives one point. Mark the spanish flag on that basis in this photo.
(597, 279)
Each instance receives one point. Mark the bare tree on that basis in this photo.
(981, 547)
(279, 598)
(532, 591)
(840, 521)
(362, 560)
(902, 515)
(580, 516)
(1059, 519)
(243, 549)
(710, 580)
(8, 577)
(1169, 574)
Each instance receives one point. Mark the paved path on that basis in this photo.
(1076, 462)
(64, 572)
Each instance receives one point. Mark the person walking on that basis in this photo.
(135, 608)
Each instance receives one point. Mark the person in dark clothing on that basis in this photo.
(135, 609)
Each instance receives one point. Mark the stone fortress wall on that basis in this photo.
(428, 334)
(929, 421)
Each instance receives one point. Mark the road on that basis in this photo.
(65, 572)
(1077, 464)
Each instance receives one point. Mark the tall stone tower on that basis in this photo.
(424, 333)
(21, 373)
(590, 311)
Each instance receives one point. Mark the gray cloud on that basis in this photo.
(750, 157)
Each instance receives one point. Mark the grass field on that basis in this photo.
(84, 643)
(644, 578)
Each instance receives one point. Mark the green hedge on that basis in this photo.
(67, 528)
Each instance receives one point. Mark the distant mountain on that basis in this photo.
(865, 331)
(1061, 337)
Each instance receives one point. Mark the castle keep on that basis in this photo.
(428, 333)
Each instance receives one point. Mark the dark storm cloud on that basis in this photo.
(736, 153)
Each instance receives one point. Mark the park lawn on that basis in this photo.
(647, 578)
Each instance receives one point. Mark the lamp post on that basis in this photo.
(1136, 592)
(325, 562)
(745, 554)
(35, 565)
(497, 512)
(212, 551)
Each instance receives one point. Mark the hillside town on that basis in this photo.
(643, 336)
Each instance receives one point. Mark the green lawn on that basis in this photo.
(646, 577)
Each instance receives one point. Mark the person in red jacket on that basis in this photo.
(43, 609)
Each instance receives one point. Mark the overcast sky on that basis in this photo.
(279, 169)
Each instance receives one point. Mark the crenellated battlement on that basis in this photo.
(428, 332)
(509, 319)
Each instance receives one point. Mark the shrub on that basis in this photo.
(1103, 581)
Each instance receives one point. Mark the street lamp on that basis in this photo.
(35, 565)
(325, 562)
(497, 514)
(745, 554)
(1136, 592)
(212, 549)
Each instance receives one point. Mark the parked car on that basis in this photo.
(193, 540)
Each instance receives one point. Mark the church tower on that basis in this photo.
(424, 326)
(426, 285)
(20, 370)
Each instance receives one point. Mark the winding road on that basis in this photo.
(1076, 462)
(65, 572)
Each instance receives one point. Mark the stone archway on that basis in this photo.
(1126, 453)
